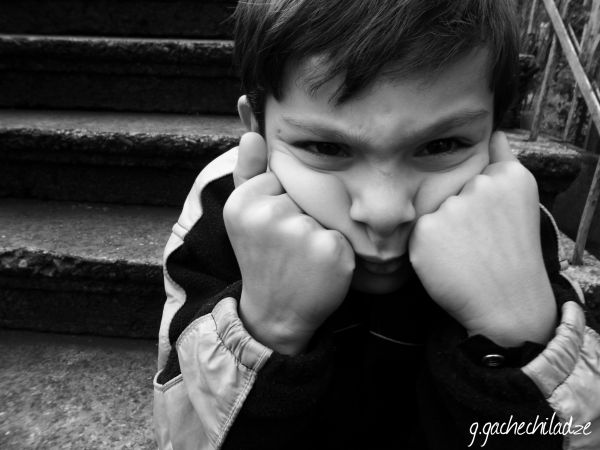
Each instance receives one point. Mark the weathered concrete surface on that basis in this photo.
(104, 233)
(76, 392)
(192, 57)
(82, 156)
(82, 268)
(136, 124)
(183, 18)
(119, 139)
(133, 74)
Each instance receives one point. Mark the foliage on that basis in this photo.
(558, 100)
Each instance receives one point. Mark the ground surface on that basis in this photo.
(75, 392)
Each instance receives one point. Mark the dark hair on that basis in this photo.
(361, 39)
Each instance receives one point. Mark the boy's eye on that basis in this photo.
(441, 147)
(324, 149)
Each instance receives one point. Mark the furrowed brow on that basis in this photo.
(449, 123)
(315, 128)
(440, 127)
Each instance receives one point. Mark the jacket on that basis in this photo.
(380, 373)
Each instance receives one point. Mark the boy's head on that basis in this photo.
(375, 112)
(363, 39)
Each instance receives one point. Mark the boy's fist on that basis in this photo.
(479, 255)
(294, 272)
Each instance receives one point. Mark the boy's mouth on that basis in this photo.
(383, 266)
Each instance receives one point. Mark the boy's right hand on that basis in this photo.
(295, 273)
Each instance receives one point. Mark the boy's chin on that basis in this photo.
(372, 283)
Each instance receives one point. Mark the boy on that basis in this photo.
(381, 276)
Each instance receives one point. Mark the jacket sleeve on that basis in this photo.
(216, 386)
(488, 391)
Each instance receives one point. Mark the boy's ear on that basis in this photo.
(246, 114)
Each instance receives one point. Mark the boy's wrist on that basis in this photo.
(515, 332)
(278, 336)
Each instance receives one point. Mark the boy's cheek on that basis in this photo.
(320, 195)
(436, 187)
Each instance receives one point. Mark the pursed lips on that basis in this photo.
(382, 266)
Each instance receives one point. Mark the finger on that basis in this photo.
(500, 148)
(252, 158)
(262, 184)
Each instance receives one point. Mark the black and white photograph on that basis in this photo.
(300, 224)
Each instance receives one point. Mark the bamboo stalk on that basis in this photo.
(585, 86)
(543, 92)
(541, 99)
(586, 218)
(573, 38)
(531, 17)
(586, 50)
(572, 111)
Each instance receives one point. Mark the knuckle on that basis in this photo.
(302, 224)
(293, 230)
(488, 188)
(481, 182)
(424, 224)
(323, 242)
(328, 243)
(255, 214)
(263, 212)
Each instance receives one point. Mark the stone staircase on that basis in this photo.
(108, 111)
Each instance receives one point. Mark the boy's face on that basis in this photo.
(373, 165)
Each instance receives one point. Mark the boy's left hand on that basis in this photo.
(479, 255)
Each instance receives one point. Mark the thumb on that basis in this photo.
(500, 148)
(252, 158)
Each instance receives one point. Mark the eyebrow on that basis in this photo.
(445, 124)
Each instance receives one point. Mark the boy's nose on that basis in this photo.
(383, 207)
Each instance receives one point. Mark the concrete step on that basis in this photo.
(150, 18)
(154, 158)
(123, 74)
(96, 269)
(82, 268)
(66, 155)
(75, 392)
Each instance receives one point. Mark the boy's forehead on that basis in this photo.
(391, 109)
(312, 74)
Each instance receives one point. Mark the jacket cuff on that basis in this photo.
(226, 333)
(219, 361)
(559, 358)
(567, 373)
